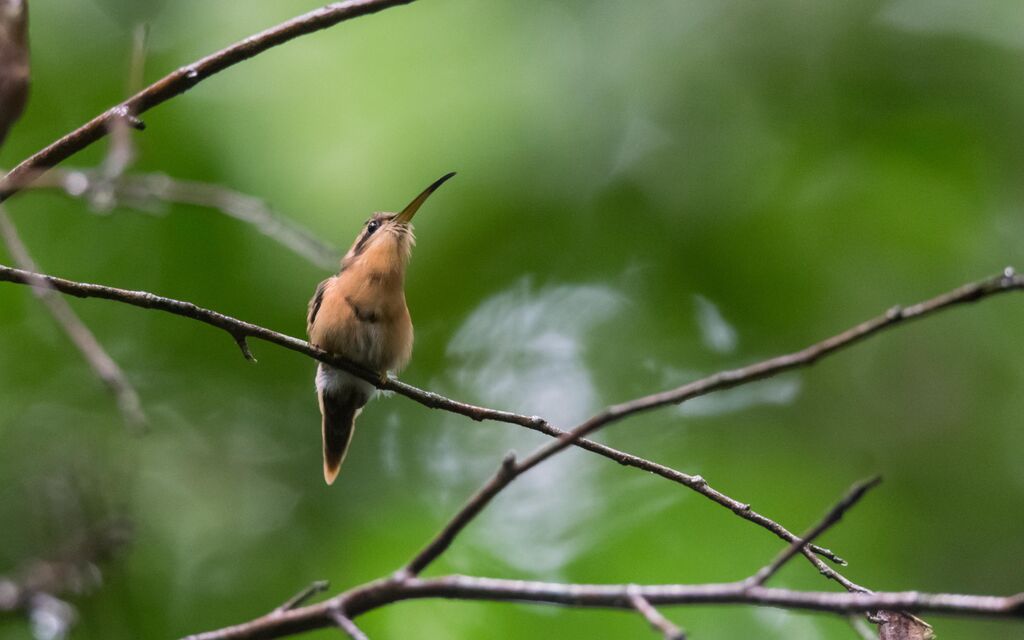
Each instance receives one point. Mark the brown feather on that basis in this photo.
(314, 305)
(339, 407)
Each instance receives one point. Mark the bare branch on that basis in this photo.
(618, 596)
(183, 79)
(835, 514)
(105, 368)
(654, 618)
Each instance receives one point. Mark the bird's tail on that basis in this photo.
(339, 406)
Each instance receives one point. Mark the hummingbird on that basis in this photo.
(361, 315)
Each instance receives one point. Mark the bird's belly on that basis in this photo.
(365, 343)
(380, 346)
(367, 324)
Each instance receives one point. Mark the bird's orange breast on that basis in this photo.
(363, 316)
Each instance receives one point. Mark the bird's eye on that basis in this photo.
(372, 226)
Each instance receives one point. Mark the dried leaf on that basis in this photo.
(14, 69)
(903, 626)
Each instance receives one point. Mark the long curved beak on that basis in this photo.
(410, 210)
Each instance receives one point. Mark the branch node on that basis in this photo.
(121, 112)
(894, 313)
(338, 615)
(508, 464)
(401, 575)
(657, 621)
(242, 341)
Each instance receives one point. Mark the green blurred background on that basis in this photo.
(647, 192)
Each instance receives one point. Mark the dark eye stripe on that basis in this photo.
(371, 226)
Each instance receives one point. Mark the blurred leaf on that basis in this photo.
(14, 70)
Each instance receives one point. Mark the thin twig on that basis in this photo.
(347, 625)
(105, 368)
(368, 597)
(313, 588)
(183, 79)
(659, 622)
(835, 514)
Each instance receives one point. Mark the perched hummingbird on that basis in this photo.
(360, 314)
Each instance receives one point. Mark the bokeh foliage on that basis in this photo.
(799, 166)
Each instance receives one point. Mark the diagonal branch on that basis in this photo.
(183, 79)
(1003, 283)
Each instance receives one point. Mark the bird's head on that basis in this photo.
(387, 238)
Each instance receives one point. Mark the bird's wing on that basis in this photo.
(314, 304)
